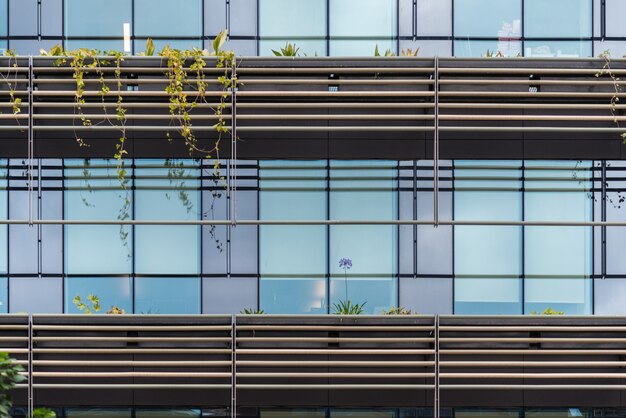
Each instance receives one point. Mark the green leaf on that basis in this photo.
(149, 47)
(376, 51)
(219, 41)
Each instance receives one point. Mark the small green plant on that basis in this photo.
(10, 375)
(398, 311)
(548, 311)
(44, 413)
(348, 308)
(116, 311)
(91, 305)
(252, 311)
(289, 50)
(388, 53)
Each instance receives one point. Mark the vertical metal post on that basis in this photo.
(233, 139)
(30, 366)
(436, 148)
(603, 218)
(31, 150)
(436, 405)
(233, 368)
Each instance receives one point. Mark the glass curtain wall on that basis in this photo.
(296, 260)
(552, 263)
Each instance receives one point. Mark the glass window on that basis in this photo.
(92, 192)
(97, 412)
(4, 19)
(4, 267)
(487, 259)
(469, 48)
(160, 18)
(112, 291)
(561, 49)
(557, 18)
(615, 12)
(558, 259)
(357, 26)
(167, 190)
(92, 18)
(302, 22)
(364, 190)
(4, 295)
(500, 19)
(170, 295)
(293, 257)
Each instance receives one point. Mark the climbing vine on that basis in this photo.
(606, 70)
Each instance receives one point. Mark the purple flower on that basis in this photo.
(345, 263)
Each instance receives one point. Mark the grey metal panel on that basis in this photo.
(52, 235)
(597, 17)
(405, 250)
(405, 18)
(214, 17)
(429, 48)
(617, 49)
(434, 244)
(35, 295)
(426, 295)
(244, 238)
(228, 296)
(242, 47)
(434, 17)
(31, 46)
(52, 18)
(609, 297)
(23, 17)
(23, 246)
(243, 17)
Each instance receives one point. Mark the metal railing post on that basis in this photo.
(436, 148)
(31, 144)
(233, 357)
(436, 402)
(30, 366)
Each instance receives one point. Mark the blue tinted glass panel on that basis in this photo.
(171, 295)
(4, 215)
(357, 26)
(293, 257)
(488, 18)
(562, 49)
(506, 47)
(487, 259)
(4, 30)
(93, 192)
(302, 22)
(557, 18)
(4, 295)
(140, 45)
(364, 190)
(112, 291)
(167, 190)
(96, 17)
(558, 259)
(102, 45)
(163, 18)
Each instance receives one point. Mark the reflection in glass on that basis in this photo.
(293, 257)
(93, 193)
(167, 190)
(93, 18)
(557, 18)
(558, 258)
(112, 291)
(487, 259)
(364, 190)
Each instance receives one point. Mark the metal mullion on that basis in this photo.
(436, 400)
(436, 147)
(30, 366)
(233, 397)
(603, 218)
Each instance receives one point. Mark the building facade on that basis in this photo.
(475, 192)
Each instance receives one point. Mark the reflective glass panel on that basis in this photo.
(112, 291)
(488, 18)
(357, 26)
(302, 22)
(562, 49)
(557, 18)
(558, 258)
(170, 295)
(364, 190)
(167, 190)
(96, 18)
(93, 192)
(487, 259)
(293, 257)
(159, 18)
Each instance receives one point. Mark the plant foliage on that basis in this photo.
(91, 305)
(252, 311)
(10, 375)
(348, 308)
(398, 311)
(548, 311)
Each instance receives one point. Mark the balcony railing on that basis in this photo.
(264, 360)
